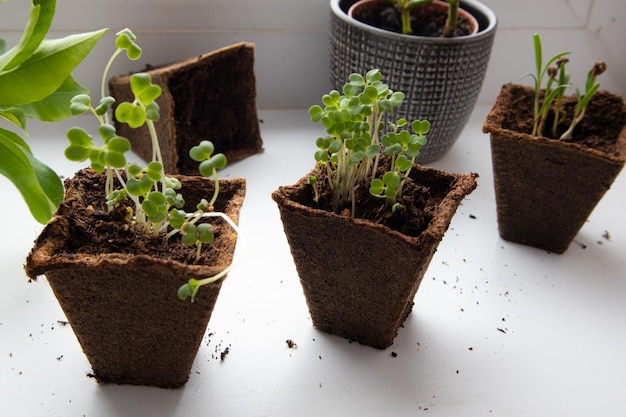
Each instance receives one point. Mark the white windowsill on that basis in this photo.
(497, 328)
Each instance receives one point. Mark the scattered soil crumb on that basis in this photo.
(62, 322)
(606, 235)
(224, 353)
(471, 216)
(291, 344)
(394, 355)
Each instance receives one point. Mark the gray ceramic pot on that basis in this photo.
(441, 77)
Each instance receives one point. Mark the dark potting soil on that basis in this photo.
(425, 20)
(599, 129)
(421, 197)
(94, 230)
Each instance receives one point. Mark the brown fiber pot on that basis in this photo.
(123, 307)
(206, 97)
(360, 277)
(547, 188)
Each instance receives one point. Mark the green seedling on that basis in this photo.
(405, 6)
(402, 148)
(156, 203)
(542, 108)
(548, 99)
(582, 100)
(355, 141)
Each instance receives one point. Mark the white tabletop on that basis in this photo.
(498, 329)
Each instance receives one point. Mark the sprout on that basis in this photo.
(351, 151)
(552, 96)
(157, 206)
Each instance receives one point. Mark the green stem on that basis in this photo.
(240, 243)
(104, 78)
(451, 21)
(406, 21)
(216, 192)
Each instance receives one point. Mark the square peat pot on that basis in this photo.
(123, 306)
(360, 277)
(547, 188)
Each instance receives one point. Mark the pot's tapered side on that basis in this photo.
(546, 189)
(130, 324)
(359, 278)
(123, 307)
(441, 77)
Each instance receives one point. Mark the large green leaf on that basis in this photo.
(43, 72)
(56, 106)
(39, 21)
(39, 185)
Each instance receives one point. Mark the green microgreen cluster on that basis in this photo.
(157, 205)
(402, 148)
(352, 150)
(405, 6)
(548, 99)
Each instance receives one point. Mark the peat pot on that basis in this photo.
(547, 188)
(121, 302)
(360, 277)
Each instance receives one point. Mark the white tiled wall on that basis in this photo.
(291, 38)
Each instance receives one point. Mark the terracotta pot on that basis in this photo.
(123, 307)
(547, 188)
(360, 277)
(207, 97)
(441, 77)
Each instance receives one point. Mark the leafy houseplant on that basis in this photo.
(47, 100)
(110, 252)
(440, 75)
(554, 155)
(365, 222)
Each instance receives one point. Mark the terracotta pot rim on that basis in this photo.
(488, 14)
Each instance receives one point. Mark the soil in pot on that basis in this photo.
(118, 289)
(598, 130)
(546, 188)
(426, 20)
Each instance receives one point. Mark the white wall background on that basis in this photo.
(291, 38)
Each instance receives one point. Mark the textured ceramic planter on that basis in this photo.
(123, 307)
(207, 97)
(360, 277)
(545, 188)
(441, 77)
